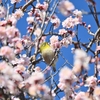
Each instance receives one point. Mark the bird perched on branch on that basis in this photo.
(48, 55)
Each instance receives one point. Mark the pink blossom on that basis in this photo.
(12, 32)
(62, 31)
(36, 89)
(3, 23)
(23, 60)
(54, 39)
(11, 73)
(43, 6)
(7, 52)
(15, 1)
(19, 68)
(97, 91)
(36, 78)
(26, 41)
(89, 26)
(81, 96)
(91, 81)
(2, 32)
(19, 45)
(80, 59)
(37, 32)
(77, 66)
(66, 74)
(32, 90)
(56, 21)
(71, 22)
(42, 16)
(68, 23)
(3, 12)
(65, 7)
(77, 13)
(30, 20)
(66, 41)
(18, 14)
(66, 79)
(3, 65)
(55, 42)
(37, 68)
(62, 86)
(76, 21)
(11, 19)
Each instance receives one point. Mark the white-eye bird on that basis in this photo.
(48, 55)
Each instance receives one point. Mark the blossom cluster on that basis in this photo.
(22, 72)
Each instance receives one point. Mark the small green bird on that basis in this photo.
(48, 54)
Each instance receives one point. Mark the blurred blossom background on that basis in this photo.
(69, 26)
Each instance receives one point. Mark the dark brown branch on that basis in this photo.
(27, 4)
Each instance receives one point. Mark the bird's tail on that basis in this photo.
(54, 68)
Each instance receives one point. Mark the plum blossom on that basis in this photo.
(26, 41)
(36, 78)
(56, 21)
(67, 74)
(37, 32)
(81, 96)
(30, 19)
(68, 23)
(10, 72)
(3, 12)
(81, 60)
(77, 13)
(12, 32)
(19, 45)
(91, 81)
(15, 1)
(18, 14)
(2, 32)
(66, 79)
(97, 91)
(65, 7)
(66, 41)
(9, 77)
(23, 60)
(19, 68)
(62, 31)
(35, 82)
(43, 6)
(55, 42)
(12, 20)
(3, 23)
(3, 65)
(7, 52)
(33, 90)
